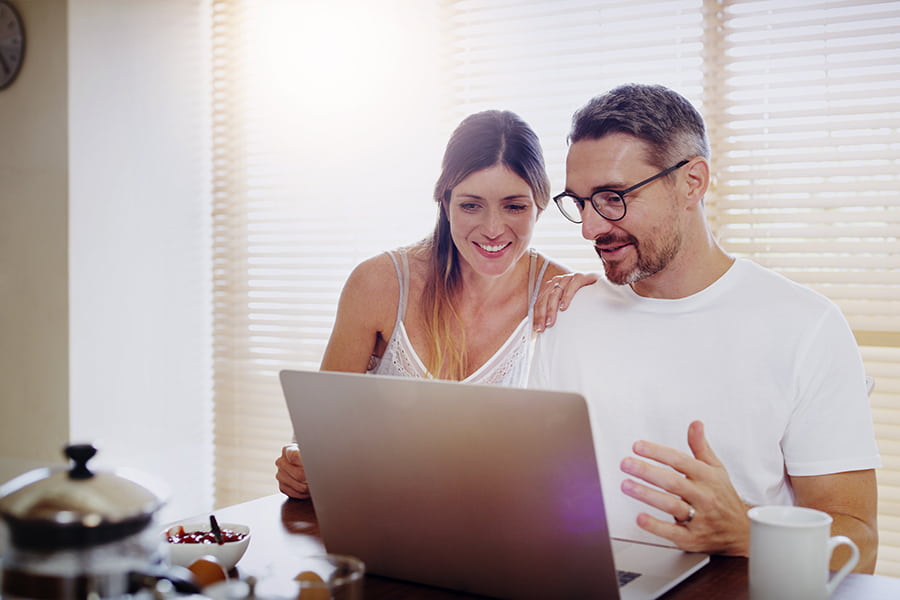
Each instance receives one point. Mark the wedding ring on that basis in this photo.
(689, 518)
(556, 285)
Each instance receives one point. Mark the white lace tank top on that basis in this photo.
(508, 366)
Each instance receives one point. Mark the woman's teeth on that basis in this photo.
(496, 248)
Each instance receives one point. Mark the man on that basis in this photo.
(761, 374)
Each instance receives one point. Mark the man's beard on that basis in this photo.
(650, 261)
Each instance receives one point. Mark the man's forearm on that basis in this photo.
(865, 536)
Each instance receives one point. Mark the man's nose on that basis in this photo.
(592, 224)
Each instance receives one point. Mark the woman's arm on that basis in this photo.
(366, 310)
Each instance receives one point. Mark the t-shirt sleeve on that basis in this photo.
(830, 429)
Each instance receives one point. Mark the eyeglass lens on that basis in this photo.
(609, 204)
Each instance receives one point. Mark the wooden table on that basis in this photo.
(284, 529)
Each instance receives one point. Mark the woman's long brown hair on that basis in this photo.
(481, 141)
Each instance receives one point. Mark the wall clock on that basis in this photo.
(12, 43)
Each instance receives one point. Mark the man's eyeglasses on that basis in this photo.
(609, 204)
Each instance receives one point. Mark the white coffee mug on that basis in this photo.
(790, 549)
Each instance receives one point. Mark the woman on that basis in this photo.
(460, 304)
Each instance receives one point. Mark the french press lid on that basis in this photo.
(56, 509)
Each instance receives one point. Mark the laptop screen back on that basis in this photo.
(484, 489)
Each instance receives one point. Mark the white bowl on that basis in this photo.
(227, 554)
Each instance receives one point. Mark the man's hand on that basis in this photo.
(556, 294)
(291, 476)
(708, 514)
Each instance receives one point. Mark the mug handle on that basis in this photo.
(834, 542)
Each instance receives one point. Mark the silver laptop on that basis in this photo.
(483, 489)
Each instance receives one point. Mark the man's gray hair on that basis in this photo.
(669, 124)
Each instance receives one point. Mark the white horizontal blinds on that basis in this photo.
(807, 160)
(239, 378)
(544, 59)
(808, 163)
(327, 144)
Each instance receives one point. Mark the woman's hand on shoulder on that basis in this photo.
(556, 294)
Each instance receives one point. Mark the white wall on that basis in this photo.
(104, 238)
(139, 266)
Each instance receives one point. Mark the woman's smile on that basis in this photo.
(490, 249)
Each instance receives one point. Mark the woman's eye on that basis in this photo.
(469, 206)
(517, 207)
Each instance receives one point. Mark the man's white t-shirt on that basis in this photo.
(769, 366)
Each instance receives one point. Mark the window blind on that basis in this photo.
(327, 140)
(330, 119)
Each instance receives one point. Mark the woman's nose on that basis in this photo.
(493, 223)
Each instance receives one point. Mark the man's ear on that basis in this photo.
(696, 180)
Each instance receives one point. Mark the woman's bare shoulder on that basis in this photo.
(372, 291)
(379, 273)
(372, 271)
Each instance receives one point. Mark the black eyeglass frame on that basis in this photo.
(620, 193)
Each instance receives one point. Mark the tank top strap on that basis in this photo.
(401, 264)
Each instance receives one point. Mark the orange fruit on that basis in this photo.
(207, 571)
(308, 589)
